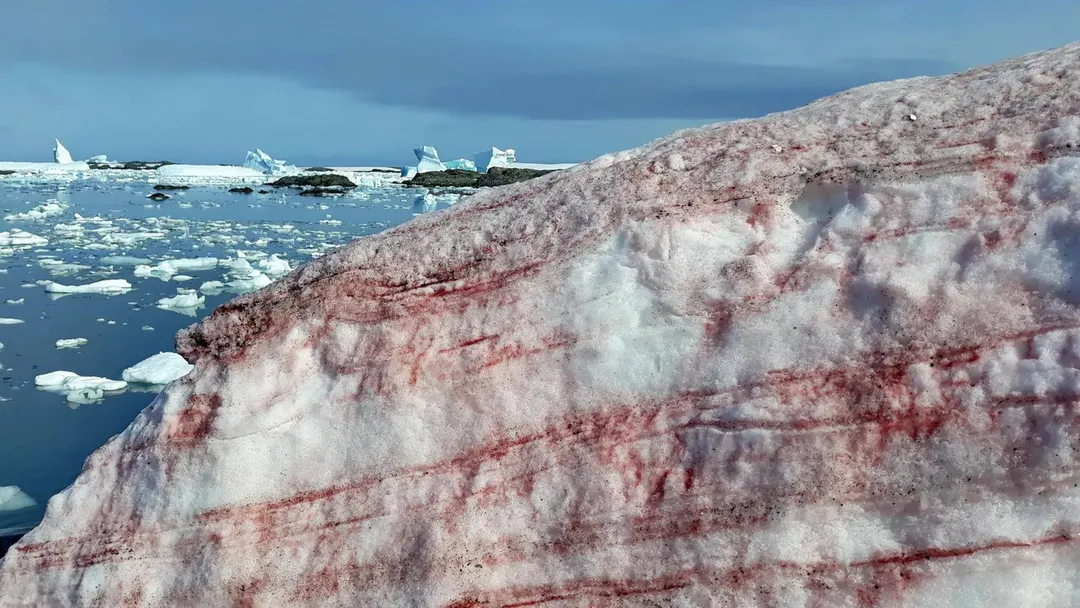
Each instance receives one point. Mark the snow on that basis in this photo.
(159, 369)
(428, 160)
(61, 154)
(110, 287)
(494, 158)
(262, 162)
(13, 499)
(698, 373)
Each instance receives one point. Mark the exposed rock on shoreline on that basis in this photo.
(459, 178)
(321, 180)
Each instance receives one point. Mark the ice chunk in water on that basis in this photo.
(110, 287)
(428, 159)
(71, 342)
(61, 154)
(161, 368)
(13, 499)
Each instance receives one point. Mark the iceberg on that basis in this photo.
(61, 154)
(428, 160)
(262, 162)
(159, 369)
(111, 287)
(829, 357)
(494, 158)
(462, 164)
(14, 499)
(181, 301)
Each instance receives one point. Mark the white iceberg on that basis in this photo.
(263, 163)
(208, 171)
(212, 287)
(494, 158)
(76, 388)
(71, 342)
(428, 158)
(12, 498)
(185, 303)
(274, 266)
(61, 154)
(99, 159)
(107, 287)
(159, 369)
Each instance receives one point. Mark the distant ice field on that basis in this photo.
(102, 278)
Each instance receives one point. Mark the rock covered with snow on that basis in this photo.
(262, 162)
(826, 358)
(494, 158)
(61, 154)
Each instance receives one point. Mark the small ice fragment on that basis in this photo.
(159, 369)
(184, 300)
(107, 287)
(19, 301)
(7, 321)
(147, 328)
(14, 499)
(71, 342)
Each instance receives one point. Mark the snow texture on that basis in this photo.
(160, 369)
(61, 154)
(830, 357)
(494, 158)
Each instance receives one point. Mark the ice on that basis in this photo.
(214, 172)
(14, 499)
(100, 158)
(262, 162)
(18, 238)
(166, 269)
(181, 301)
(463, 164)
(8, 321)
(71, 343)
(212, 287)
(61, 154)
(428, 159)
(19, 301)
(40, 212)
(274, 267)
(159, 369)
(409, 171)
(66, 171)
(110, 287)
(830, 357)
(76, 388)
(494, 158)
(124, 260)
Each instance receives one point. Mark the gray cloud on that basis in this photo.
(467, 58)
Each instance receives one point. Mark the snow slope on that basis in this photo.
(830, 357)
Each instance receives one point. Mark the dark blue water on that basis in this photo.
(44, 439)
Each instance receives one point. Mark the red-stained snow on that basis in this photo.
(830, 357)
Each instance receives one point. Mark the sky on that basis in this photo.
(358, 82)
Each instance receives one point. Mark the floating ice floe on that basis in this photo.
(19, 301)
(18, 238)
(160, 369)
(40, 212)
(208, 171)
(212, 287)
(124, 260)
(262, 162)
(61, 154)
(494, 158)
(8, 321)
(165, 270)
(71, 342)
(12, 498)
(186, 303)
(76, 388)
(107, 287)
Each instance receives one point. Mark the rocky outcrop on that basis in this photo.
(168, 187)
(321, 180)
(830, 357)
(459, 178)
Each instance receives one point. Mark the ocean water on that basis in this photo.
(44, 438)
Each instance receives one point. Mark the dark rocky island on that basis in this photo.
(458, 178)
(321, 180)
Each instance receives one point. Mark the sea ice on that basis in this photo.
(40, 212)
(76, 388)
(7, 321)
(61, 154)
(71, 342)
(161, 369)
(19, 238)
(110, 287)
(14, 499)
(181, 301)
(215, 172)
